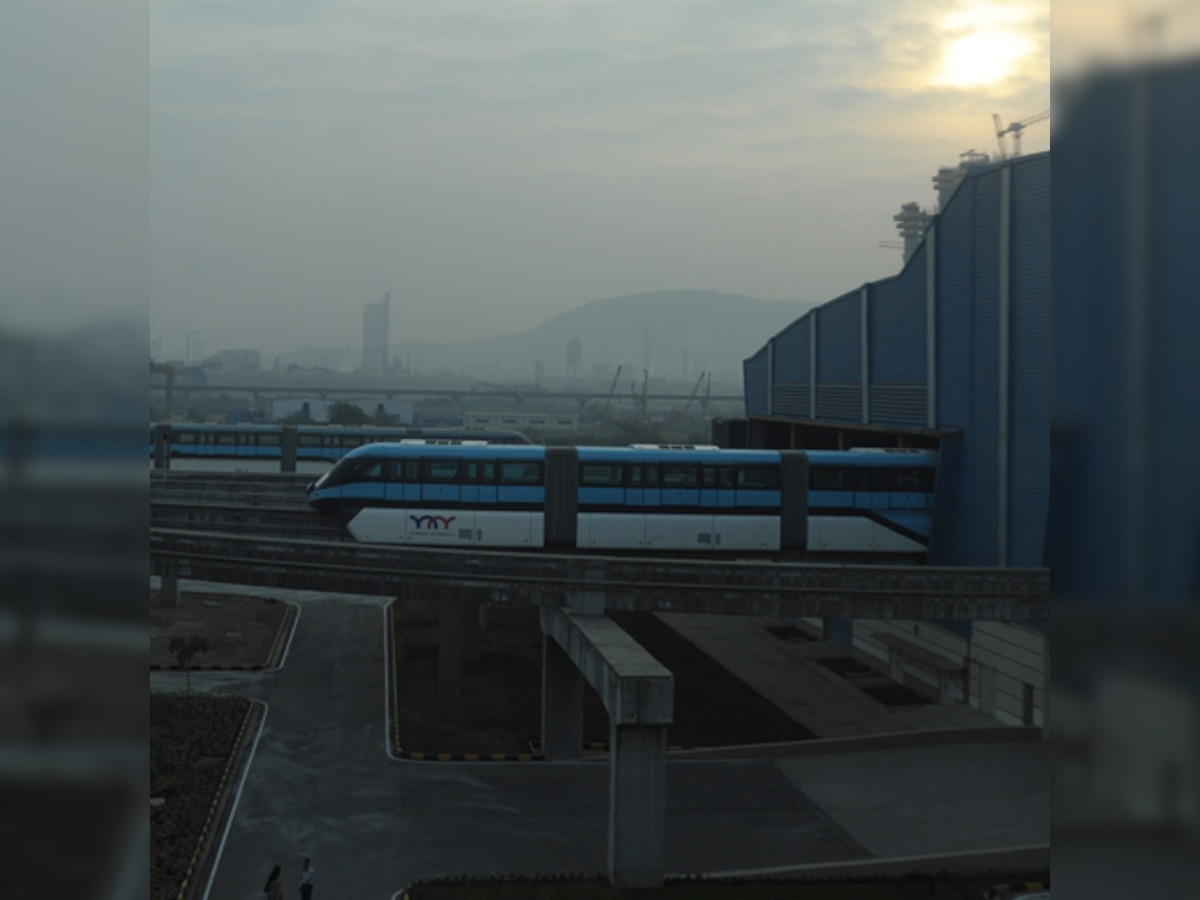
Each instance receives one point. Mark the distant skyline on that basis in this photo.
(495, 164)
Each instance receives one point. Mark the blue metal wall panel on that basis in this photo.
(1030, 367)
(954, 366)
(839, 341)
(896, 346)
(896, 323)
(1173, 478)
(839, 359)
(754, 383)
(983, 502)
(792, 351)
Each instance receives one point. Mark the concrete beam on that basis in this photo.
(638, 693)
(634, 686)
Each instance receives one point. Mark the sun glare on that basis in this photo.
(983, 57)
(984, 44)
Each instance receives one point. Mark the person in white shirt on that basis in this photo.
(306, 879)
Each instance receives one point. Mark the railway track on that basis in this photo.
(266, 504)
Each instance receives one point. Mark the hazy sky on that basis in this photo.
(495, 163)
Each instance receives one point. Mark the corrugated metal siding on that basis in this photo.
(839, 341)
(985, 362)
(839, 360)
(754, 383)
(954, 370)
(791, 369)
(840, 402)
(896, 339)
(1173, 483)
(791, 352)
(1031, 366)
(898, 404)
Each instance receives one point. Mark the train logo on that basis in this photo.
(433, 523)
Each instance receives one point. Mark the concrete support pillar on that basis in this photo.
(638, 805)
(162, 446)
(450, 648)
(287, 448)
(562, 703)
(168, 591)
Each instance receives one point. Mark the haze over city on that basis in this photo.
(493, 167)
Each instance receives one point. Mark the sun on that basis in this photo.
(982, 57)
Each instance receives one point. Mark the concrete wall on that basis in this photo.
(1006, 662)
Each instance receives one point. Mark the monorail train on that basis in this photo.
(877, 503)
(313, 442)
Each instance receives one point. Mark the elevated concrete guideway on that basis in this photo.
(719, 587)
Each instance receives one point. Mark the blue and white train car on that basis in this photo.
(639, 499)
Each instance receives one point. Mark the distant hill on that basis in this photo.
(711, 331)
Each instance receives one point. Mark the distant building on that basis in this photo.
(535, 421)
(236, 361)
(375, 335)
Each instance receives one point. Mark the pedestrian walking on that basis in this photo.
(306, 879)
(274, 887)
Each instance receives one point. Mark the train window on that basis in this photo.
(479, 472)
(758, 478)
(308, 440)
(831, 478)
(633, 476)
(873, 479)
(520, 473)
(357, 470)
(675, 476)
(442, 471)
(225, 439)
(186, 437)
(600, 475)
(728, 477)
(920, 480)
(268, 440)
(412, 470)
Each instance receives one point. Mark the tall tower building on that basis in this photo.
(375, 335)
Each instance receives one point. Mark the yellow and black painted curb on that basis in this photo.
(272, 660)
(1000, 890)
(218, 799)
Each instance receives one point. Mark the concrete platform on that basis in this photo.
(788, 675)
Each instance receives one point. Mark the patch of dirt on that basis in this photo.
(499, 710)
(240, 630)
(192, 741)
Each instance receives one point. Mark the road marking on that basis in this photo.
(212, 874)
(287, 648)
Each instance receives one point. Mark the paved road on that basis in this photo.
(322, 784)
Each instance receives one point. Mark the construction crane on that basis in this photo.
(612, 390)
(695, 391)
(1015, 129)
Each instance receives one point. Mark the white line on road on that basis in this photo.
(212, 872)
